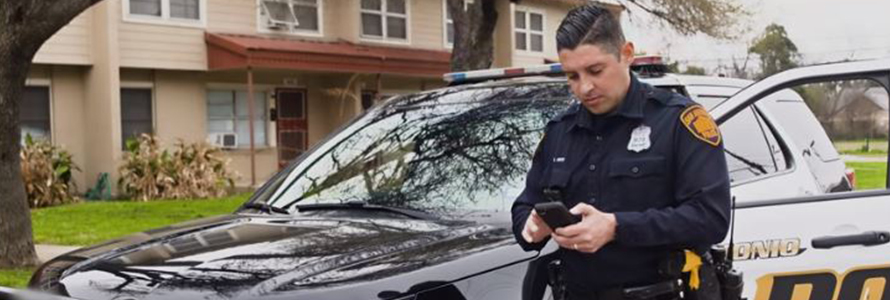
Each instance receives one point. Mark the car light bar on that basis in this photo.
(647, 60)
(488, 74)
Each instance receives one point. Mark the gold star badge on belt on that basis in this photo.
(701, 125)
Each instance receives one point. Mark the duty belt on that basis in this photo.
(646, 292)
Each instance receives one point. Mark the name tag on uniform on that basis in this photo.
(639, 139)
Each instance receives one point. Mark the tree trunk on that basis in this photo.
(17, 246)
(24, 27)
(473, 34)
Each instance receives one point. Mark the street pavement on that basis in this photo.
(861, 158)
(47, 252)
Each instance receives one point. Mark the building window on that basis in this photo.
(34, 113)
(449, 23)
(185, 9)
(528, 30)
(145, 7)
(228, 112)
(136, 113)
(385, 19)
(292, 15)
(177, 11)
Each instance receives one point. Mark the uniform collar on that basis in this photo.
(631, 107)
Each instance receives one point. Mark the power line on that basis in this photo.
(803, 54)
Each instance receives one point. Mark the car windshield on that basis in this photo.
(446, 152)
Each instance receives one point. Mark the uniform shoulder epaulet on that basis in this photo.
(667, 97)
(570, 111)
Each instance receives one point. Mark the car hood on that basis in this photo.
(253, 257)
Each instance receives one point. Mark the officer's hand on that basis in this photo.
(535, 228)
(595, 230)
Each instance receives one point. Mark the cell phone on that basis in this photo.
(556, 215)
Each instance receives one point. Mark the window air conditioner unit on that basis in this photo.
(279, 15)
(226, 140)
(279, 25)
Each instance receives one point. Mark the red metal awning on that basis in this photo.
(229, 51)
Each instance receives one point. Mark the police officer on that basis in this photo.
(644, 168)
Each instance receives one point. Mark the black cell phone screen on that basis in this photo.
(556, 215)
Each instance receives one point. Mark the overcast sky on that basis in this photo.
(823, 30)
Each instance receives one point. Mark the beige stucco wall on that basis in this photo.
(101, 107)
(162, 47)
(232, 16)
(72, 45)
(427, 24)
(67, 101)
(180, 106)
(553, 15)
(503, 36)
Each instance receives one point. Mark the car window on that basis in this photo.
(438, 152)
(778, 152)
(751, 148)
(840, 129)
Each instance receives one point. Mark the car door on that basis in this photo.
(760, 161)
(823, 247)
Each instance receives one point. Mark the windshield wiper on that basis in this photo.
(363, 205)
(751, 164)
(266, 208)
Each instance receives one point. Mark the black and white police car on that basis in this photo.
(412, 200)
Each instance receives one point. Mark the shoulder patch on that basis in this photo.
(701, 125)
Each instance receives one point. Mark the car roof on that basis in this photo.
(697, 80)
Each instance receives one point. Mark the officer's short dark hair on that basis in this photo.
(590, 24)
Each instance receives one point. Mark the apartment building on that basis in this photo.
(188, 69)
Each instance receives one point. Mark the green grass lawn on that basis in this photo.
(15, 278)
(869, 175)
(93, 222)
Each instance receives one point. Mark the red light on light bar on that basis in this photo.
(647, 60)
(514, 71)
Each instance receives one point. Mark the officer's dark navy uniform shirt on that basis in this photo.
(671, 195)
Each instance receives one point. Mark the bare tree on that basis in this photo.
(474, 24)
(714, 18)
(473, 34)
(24, 27)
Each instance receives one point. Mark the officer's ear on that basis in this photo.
(627, 53)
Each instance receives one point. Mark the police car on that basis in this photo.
(759, 165)
(412, 201)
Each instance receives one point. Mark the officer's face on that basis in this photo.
(598, 79)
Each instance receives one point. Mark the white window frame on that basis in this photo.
(446, 22)
(383, 14)
(262, 28)
(528, 31)
(165, 18)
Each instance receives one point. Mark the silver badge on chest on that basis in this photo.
(639, 139)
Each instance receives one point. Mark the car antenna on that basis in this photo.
(731, 251)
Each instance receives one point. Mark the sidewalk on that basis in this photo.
(863, 158)
(48, 252)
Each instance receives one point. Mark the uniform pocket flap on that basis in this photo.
(558, 177)
(637, 167)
